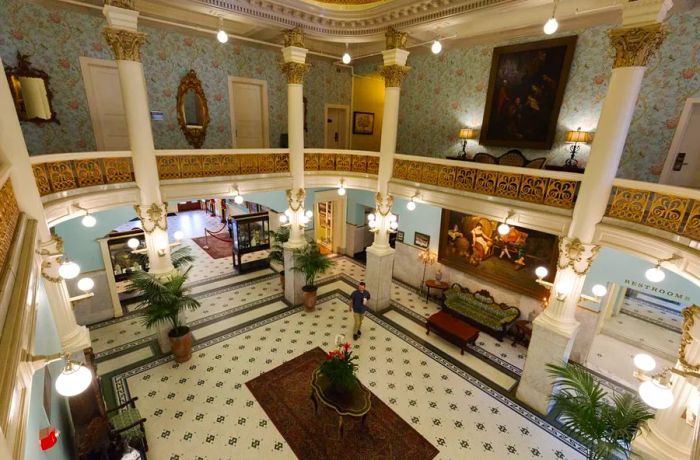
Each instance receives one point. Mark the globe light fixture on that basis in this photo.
(68, 270)
(655, 274)
(551, 26)
(74, 379)
(341, 189)
(309, 214)
(644, 363)
(541, 272)
(503, 229)
(88, 221)
(221, 35)
(656, 392)
(599, 290)
(238, 199)
(178, 235)
(563, 288)
(133, 243)
(411, 205)
(283, 219)
(346, 58)
(86, 284)
(288, 212)
(436, 47)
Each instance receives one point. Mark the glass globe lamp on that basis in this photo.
(86, 284)
(74, 379)
(89, 221)
(656, 394)
(68, 270)
(133, 243)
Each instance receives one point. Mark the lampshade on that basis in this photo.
(503, 229)
(644, 362)
(74, 379)
(655, 394)
(541, 272)
(467, 133)
(86, 284)
(89, 221)
(428, 257)
(68, 270)
(578, 136)
(599, 290)
(238, 199)
(655, 274)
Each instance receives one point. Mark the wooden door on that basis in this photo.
(682, 167)
(249, 113)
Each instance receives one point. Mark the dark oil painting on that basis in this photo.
(473, 245)
(526, 88)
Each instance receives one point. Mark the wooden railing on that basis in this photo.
(345, 161)
(62, 172)
(10, 215)
(549, 188)
(188, 164)
(663, 207)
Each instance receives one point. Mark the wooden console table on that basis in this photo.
(355, 403)
(454, 328)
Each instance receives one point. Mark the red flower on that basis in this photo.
(346, 345)
(329, 356)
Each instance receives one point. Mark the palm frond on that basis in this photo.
(181, 257)
(311, 262)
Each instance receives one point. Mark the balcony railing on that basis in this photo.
(549, 188)
(188, 164)
(9, 212)
(671, 209)
(347, 161)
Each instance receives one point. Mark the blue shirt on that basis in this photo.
(357, 297)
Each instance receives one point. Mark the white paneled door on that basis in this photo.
(105, 103)
(336, 126)
(682, 167)
(249, 114)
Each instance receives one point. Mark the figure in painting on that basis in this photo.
(481, 244)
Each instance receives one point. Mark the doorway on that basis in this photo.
(329, 231)
(324, 234)
(682, 167)
(337, 126)
(249, 113)
(104, 98)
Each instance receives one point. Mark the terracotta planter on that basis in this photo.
(181, 345)
(309, 297)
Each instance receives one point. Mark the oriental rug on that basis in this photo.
(219, 245)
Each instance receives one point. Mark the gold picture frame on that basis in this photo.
(192, 109)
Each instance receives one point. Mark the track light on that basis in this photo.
(221, 35)
(552, 25)
(436, 47)
(346, 56)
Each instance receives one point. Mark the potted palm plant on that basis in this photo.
(163, 300)
(311, 262)
(581, 404)
(276, 255)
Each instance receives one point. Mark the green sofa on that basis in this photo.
(480, 310)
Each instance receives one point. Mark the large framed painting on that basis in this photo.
(525, 91)
(472, 245)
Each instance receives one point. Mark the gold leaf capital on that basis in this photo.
(393, 74)
(295, 72)
(395, 39)
(125, 43)
(294, 37)
(127, 4)
(634, 46)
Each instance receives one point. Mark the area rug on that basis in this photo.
(219, 245)
(284, 394)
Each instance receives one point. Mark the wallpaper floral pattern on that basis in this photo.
(56, 38)
(447, 92)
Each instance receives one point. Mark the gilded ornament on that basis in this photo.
(295, 72)
(294, 37)
(127, 4)
(42, 179)
(383, 203)
(195, 131)
(8, 223)
(155, 216)
(666, 212)
(393, 74)
(576, 255)
(629, 204)
(692, 225)
(634, 46)
(61, 176)
(689, 315)
(395, 39)
(125, 43)
(295, 198)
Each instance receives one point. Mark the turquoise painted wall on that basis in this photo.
(625, 269)
(56, 37)
(80, 243)
(424, 219)
(46, 342)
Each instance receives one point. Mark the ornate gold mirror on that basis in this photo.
(192, 110)
(30, 91)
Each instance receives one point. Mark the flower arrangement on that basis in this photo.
(339, 368)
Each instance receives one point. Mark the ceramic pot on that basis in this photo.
(181, 345)
(309, 297)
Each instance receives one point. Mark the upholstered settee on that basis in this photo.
(479, 309)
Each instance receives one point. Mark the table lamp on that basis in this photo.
(465, 134)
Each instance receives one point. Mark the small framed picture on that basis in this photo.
(399, 236)
(362, 123)
(421, 240)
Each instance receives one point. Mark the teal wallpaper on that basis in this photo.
(56, 38)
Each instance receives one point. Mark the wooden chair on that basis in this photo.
(127, 423)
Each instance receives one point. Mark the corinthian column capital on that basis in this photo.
(126, 4)
(576, 255)
(294, 37)
(125, 43)
(393, 74)
(295, 72)
(395, 39)
(634, 46)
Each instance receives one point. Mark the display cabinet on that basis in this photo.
(251, 240)
(120, 262)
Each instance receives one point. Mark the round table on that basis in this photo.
(434, 284)
(355, 403)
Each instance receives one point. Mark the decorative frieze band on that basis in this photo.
(193, 166)
(393, 74)
(295, 72)
(59, 176)
(634, 46)
(8, 223)
(125, 43)
(341, 162)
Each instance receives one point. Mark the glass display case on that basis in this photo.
(251, 240)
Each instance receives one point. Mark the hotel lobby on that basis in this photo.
(349, 229)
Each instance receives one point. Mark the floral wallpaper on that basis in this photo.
(446, 92)
(56, 38)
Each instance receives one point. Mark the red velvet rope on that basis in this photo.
(227, 240)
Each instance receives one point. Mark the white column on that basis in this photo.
(126, 42)
(668, 436)
(555, 330)
(13, 152)
(294, 68)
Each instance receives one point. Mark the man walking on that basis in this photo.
(358, 305)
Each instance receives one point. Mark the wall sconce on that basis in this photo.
(373, 223)
(285, 219)
(88, 220)
(563, 289)
(655, 274)
(465, 134)
(73, 380)
(656, 391)
(68, 269)
(576, 137)
(503, 229)
(237, 197)
(411, 205)
(84, 284)
(341, 188)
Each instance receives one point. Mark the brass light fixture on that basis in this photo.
(465, 134)
(576, 137)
